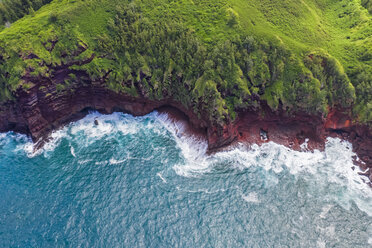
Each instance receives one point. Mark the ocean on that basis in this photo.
(140, 182)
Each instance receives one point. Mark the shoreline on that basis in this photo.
(247, 138)
(37, 113)
(298, 134)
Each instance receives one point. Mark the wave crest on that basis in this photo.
(330, 172)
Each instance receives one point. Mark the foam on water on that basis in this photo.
(107, 125)
(73, 151)
(251, 197)
(325, 211)
(193, 148)
(161, 177)
(143, 178)
(114, 161)
(333, 166)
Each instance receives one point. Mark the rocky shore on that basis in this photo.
(43, 108)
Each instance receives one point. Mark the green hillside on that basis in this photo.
(215, 57)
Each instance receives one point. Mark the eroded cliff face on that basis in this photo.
(302, 131)
(38, 112)
(11, 119)
(340, 124)
(44, 107)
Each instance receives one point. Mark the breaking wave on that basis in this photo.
(177, 160)
(333, 166)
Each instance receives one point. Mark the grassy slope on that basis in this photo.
(303, 25)
(341, 28)
(335, 26)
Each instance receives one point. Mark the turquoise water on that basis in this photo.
(137, 182)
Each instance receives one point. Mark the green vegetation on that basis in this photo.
(215, 57)
(367, 4)
(12, 10)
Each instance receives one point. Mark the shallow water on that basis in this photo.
(136, 182)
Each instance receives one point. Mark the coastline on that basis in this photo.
(299, 133)
(37, 114)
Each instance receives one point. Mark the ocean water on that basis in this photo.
(138, 182)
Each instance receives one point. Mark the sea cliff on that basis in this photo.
(289, 72)
(42, 109)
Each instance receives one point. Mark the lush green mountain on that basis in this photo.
(12, 10)
(214, 56)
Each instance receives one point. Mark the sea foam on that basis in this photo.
(322, 169)
(333, 166)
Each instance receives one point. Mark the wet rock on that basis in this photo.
(263, 135)
(353, 135)
(37, 114)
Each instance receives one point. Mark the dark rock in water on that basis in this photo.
(366, 173)
(263, 135)
(96, 122)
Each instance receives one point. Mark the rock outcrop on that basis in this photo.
(44, 107)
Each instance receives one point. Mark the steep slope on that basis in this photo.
(214, 60)
(266, 46)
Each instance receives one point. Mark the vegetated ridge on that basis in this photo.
(212, 59)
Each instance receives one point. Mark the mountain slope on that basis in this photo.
(215, 57)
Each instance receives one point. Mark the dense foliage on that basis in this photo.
(367, 4)
(216, 57)
(165, 60)
(12, 10)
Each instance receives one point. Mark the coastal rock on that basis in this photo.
(41, 109)
(220, 137)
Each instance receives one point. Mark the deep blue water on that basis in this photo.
(135, 182)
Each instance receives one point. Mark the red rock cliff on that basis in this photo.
(43, 108)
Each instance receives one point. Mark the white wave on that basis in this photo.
(304, 146)
(201, 190)
(3, 137)
(161, 177)
(84, 130)
(193, 149)
(101, 162)
(325, 211)
(8, 137)
(107, 125)
(114, 161)
(251, 197)
(321, 243)
(333, 166)
(85, 161)
(328, 231)
(52, 142)
(72, 150)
